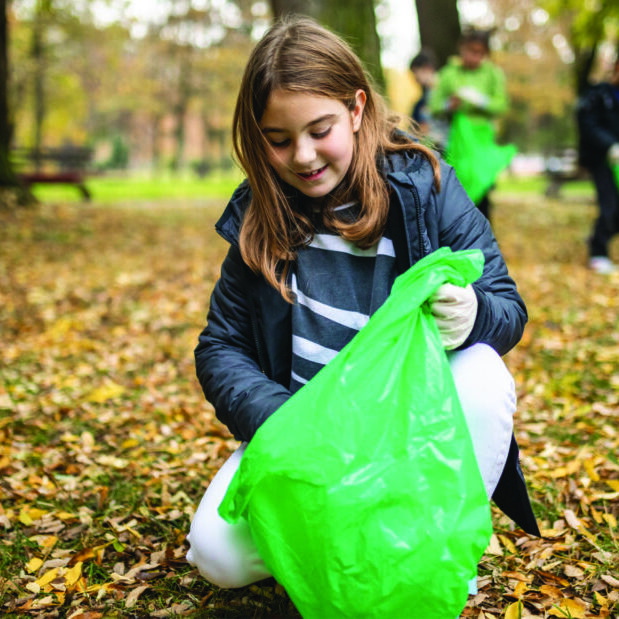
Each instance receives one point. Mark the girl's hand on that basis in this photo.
(454, 309)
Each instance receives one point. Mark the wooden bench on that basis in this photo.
(61, 165)
(560, 169)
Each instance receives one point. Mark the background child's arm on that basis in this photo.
(227, 365)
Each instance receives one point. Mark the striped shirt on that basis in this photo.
(337, 287)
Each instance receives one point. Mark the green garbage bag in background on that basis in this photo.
(362, 491)
(474, 154)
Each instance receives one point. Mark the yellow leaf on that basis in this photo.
(514, 611)
(611, 520)
(29, 514)
(560, 471)
(49, 541)
(130, 442)
(34, 564)
(574, 609)
(590, 468)
(520, 589)
(600, 600)
(552, 533)
(597, 516)
(73, 575)
(105, 392)
(47, 577)
(508, 544)
(614, 484)
(65, 515)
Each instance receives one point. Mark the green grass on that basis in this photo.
(165, 186)
(537, 185)
(137, 187)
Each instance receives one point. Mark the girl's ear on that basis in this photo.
(357, 112)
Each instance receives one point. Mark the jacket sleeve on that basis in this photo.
(497, 102)
(501, 312)
(589, 113)
(227, 360)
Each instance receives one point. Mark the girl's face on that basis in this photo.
(311, 139)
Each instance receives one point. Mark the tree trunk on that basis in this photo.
(353, 20)
(7, 177)
(583, 64)
(41, 20)
(439, 27)
(12, 192)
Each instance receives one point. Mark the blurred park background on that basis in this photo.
(148, 87)
(106, 441)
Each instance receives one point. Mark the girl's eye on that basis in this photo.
(321, 134)
(280, 144)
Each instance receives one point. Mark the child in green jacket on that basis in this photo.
(471, 85)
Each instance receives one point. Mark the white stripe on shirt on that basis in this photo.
(312, 351)
(299, 379)
(331, 242)
(353, 320)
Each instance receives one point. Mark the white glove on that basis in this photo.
(613, 154)
(473, 96)
(454, 309)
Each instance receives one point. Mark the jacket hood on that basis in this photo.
(402, 169)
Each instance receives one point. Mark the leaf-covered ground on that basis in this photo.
(106, 443)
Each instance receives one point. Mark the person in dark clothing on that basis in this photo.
(423, 67)
(337, 202)
(598, 125)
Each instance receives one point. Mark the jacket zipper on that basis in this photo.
(422, 249)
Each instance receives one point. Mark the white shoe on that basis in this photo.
(602, 264)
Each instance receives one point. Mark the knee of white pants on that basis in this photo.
(488, 397)
(224, 553)
(215, 560)
(483, 381)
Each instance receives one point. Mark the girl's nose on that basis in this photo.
(304, 152)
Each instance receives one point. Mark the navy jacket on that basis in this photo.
(598, 123)
(243, 358)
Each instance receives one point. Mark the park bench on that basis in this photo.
(562, 168)
(60, 165)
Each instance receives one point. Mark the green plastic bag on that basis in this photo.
(362, 491)
(474, 154)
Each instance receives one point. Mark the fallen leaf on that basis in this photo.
(514, 611)
(34, 564)
(573, 572)
(572, 609)
(134, 594)
(72, 575)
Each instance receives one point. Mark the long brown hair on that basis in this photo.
(298, 55)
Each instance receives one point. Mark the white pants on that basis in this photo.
(226, 555)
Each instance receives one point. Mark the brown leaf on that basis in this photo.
(134, 594)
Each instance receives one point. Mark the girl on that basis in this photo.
(336, 204)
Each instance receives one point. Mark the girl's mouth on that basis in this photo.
(313, 175)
